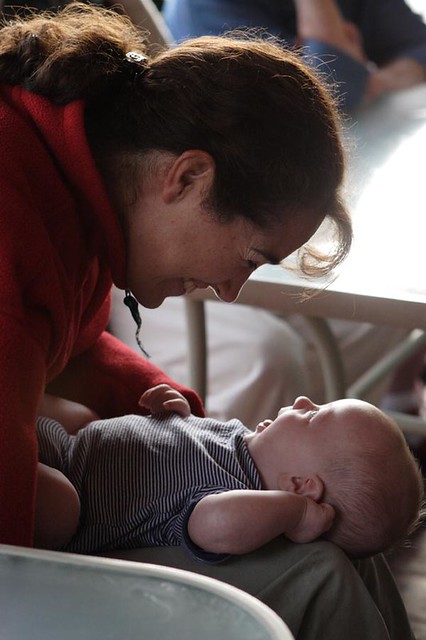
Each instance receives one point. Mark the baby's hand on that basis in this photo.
(164, 398)
(262, 425)
(316, 519)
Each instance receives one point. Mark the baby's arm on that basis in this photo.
(240, 521)
(164, 398)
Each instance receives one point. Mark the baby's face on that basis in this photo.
(306, 434)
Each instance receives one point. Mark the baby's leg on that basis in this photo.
(57, 509)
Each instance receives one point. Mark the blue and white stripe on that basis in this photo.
(138, 477)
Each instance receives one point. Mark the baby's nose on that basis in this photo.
(303, 402)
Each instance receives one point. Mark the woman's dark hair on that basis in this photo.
(269, 123)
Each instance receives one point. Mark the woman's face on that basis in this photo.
(175, 246)
(205, 253)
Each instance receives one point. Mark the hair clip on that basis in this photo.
(136, 63)
(135, 57)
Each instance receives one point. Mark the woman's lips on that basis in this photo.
(190, 285)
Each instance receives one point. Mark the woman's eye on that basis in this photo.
(252, 265)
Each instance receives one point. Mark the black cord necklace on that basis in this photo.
(131, 302)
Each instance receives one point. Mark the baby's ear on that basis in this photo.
(309, 486)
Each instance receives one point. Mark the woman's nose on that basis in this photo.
(229, 290)
(303, 402)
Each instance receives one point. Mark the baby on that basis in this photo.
(340, 471)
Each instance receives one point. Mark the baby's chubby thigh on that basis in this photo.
(57, 510)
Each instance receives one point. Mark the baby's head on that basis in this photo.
(350, 454)
(375, 486)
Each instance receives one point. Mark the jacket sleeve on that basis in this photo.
(110, 377)
(23, 376)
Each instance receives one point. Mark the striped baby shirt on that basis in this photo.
(139, 477)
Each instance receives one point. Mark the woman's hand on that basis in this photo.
(164, 398)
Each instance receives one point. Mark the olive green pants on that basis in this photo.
(315, 588)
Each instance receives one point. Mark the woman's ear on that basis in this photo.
(192, 171)
(309, 486)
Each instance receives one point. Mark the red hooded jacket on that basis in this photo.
(61, 248)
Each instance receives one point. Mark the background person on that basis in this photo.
(368, 48)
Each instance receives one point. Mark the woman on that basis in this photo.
(158, 175)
